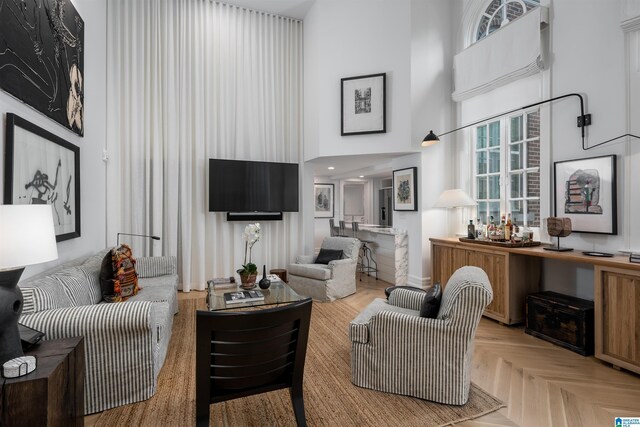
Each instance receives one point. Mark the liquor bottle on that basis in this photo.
(491, 228)
(479, 229)
(503, 225)
(471, 230)
(508, 229)
(509, 222)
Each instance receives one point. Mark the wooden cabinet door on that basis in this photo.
(619, 318)
(494, 266)
(445, 260)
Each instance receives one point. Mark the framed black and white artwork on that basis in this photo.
(363, 107)
(42, 168)
(405, 189)
(42, 58)
(585, 192)
(323, 200)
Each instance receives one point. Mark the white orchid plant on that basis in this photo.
(251, 235)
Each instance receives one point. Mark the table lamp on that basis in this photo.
(28, 237)
(456, 198)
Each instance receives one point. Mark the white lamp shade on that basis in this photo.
(27, 235)
(456, 198)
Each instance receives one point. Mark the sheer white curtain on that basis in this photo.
(190, 80)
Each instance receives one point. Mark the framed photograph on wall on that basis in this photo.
(42, 168)
(363, 108)
(405, 189)
(323, 200)
(585, 192)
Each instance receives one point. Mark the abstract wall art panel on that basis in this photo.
(42, 58)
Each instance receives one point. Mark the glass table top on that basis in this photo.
(278, 293)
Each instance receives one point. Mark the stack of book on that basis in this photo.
(222, 283)
(634, 258)
(243, 296)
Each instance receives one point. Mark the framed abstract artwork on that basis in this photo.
(42, 58)
(42, 168)
(405, 189)
(323, 200)
(363, 108)
(585, 192)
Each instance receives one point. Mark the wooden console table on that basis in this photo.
(516, 272)
(53, 394)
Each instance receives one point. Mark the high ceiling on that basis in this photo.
(292, 8)
(351, 167)
(346, 167)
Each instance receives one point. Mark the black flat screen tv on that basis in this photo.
(244, 186)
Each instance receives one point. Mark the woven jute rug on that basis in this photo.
(329, 396)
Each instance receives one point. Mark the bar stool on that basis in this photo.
(365, 257)
(341, 231)
(332, 228)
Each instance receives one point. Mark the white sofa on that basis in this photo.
(327, 282)
(125, 343)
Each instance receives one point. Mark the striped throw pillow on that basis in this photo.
(43, 294)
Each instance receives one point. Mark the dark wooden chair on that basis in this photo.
(243, 353)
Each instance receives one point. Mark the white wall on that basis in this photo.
(92, 169)
(574, 47)
(347, 39)
(433, 29)
(410, 40)
(587, 55)
(633, 125)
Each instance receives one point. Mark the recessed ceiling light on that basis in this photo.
(331, 168)
(361, 176)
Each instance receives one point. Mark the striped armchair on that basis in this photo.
(395, 350)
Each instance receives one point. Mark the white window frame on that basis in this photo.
(500, 9)
(504, 172)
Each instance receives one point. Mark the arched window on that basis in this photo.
(500, 13)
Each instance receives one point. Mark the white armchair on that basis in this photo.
(327, 282)
(395, 350)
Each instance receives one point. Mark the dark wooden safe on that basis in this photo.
(561, 319)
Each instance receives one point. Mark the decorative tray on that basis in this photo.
(500, 244)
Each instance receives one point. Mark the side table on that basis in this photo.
(281, 273)
(53, 394)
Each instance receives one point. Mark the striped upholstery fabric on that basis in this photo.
(125, 343)
(425, 358)
(156, 266)
(93, 281)
(359, 332)
(75, 283)
(44, 293)
(120, 368)
(406, 298)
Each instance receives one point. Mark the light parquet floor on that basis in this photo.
(542, 384)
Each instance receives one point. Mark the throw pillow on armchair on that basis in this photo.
(118, 276)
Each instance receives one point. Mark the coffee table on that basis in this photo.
(278, 293)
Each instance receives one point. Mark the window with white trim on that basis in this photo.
(499, 13)
(507, 168)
